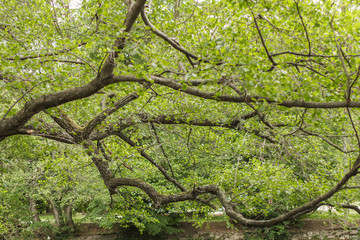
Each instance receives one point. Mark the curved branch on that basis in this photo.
(173, 43)
(174, 84)
(160, 199)
(9, 125)
(348, 206)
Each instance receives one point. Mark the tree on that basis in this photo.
(54, 177)
(225, 99)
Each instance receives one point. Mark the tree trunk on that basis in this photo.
(68, 216)
(176, 10)
(57, 212)
(33, 210)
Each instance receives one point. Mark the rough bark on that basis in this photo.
(68, 216)
(176, 10)
(33, 210)
(9, 126)
(174, 84)
(76, 134)
(160, 200)
(57, 212)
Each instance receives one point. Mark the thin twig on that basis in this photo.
(312, 55)
(326, 140)
(81, 58)
(356, 78)
(305, 66)
(353, 126)
(277, 28)
(347, 93)
(344, 56)
(151, 160)
(302, 123)
(196, 4)
(260, 114)
(261, 38)
(21, 98)
(162, 149)
(302, 21)
(65, 50)
(64, 61)
(351, 187)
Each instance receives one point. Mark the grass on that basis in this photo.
(50, 218)
(350, 216)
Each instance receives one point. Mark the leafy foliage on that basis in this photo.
(247, 106)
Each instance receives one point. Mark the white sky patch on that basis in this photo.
(74, 4)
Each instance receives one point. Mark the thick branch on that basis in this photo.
(9, 125)
(131, 16)
(160, 199)
(234, 124)
(53, 134)
(66, 123)
(348, 206)
(291, 214)
(107, 112)
(101, 165)
(248, 98)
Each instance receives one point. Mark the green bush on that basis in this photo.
(160, 229)
(278, 232)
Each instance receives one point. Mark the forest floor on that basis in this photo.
(221, 227)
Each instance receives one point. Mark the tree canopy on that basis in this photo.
(249, 106)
